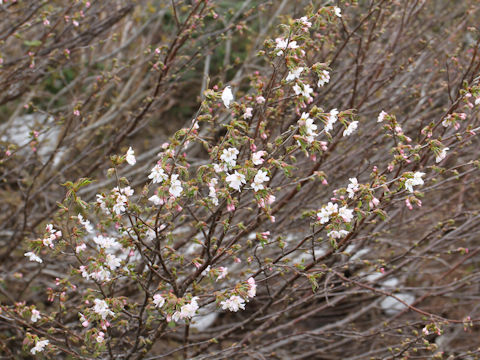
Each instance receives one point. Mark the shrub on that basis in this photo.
(320, 189)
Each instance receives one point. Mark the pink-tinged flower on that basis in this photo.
(260, 100)
(252, 287)
(101, 308)
(35, 316)
(304, 90)
(305, 23)
(374, 202)
(248, 113)
(234, 303)
(236, 180)
(158, 300)
(84, 320)
(100, 338)
(223, 272)
(323, 78)
(381, 116)
(346, 214)
(257, 157)
(227, 96)
(231, 207)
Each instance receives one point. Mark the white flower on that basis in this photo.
(346, 214)
(352, 187)
(351, 128)
(112, 261)
(337, 234)
(229, 157)
(305, 91)
(442, 154)
(233, 304)
(35, 316)
(282, 44)
(477, 100)
(80, 248)
(102, 309)
(257, 157)
(416, 180)
(332, 119)
(175, 186)
(252, 287)
(223, 272)
(130, 157)
(213, 192)
(310, 126)
(156, 200)
(323, 216)
(100, 275)
(236, 180)
(381, 116)
(32, 257)
(158, 174)
(326, 212)
(338, 11)
(158, 300)
(306, 24)
(105, 242)
(259, 179)
(186, 311)
(294, 74)
(100, 338)
(323, 78)
(39, 346)
(227, 96)
(248, 113)
(88, 226)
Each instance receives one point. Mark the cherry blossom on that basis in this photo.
(39, 346)
(259, 179)
(252, 287)
(381, 116)
(323, 78)
(175, 186)
(352, 187)
(157, 174)
(236, 180)
(229, 157)
(33, 257)
(441, 155)
(351, 128)
(234, 303)
(102, 309)
(158, 300)
(294, 74)
(130, 157)
(416, 180)
(257, 157)
(227, 96)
